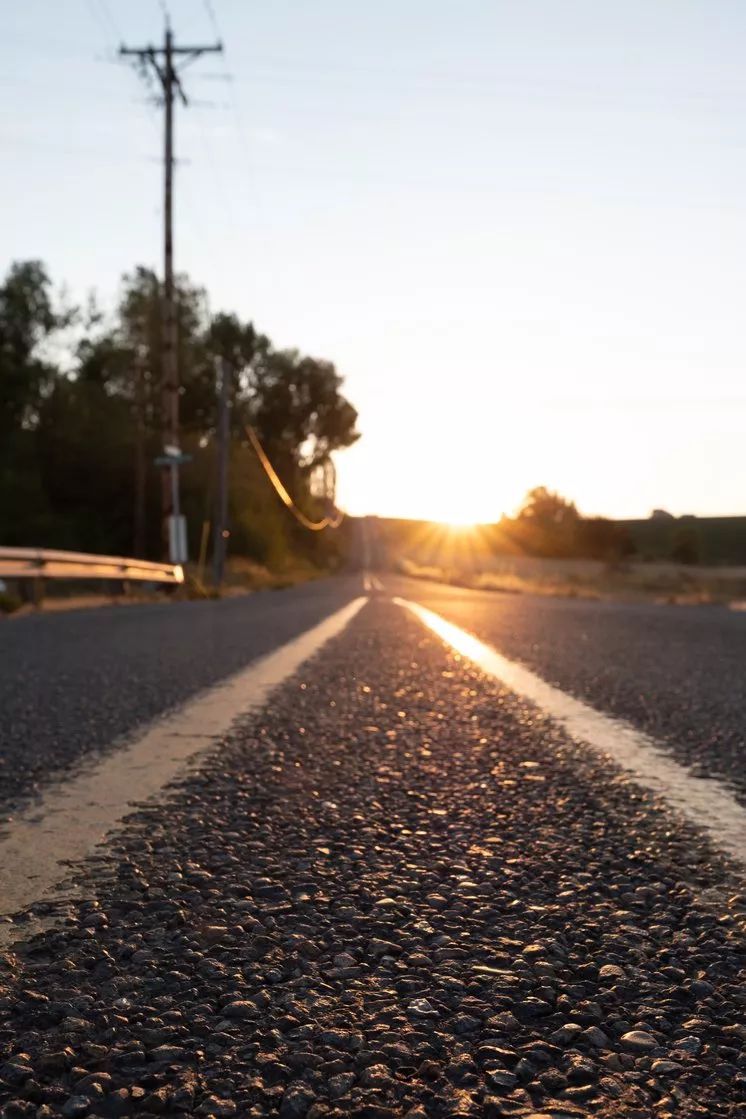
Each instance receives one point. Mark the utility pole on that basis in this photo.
(140, 457)
(221, 505)
(162, 60)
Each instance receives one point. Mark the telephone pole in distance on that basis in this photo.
(162, 60)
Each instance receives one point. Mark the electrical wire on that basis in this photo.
(212, 18)
(300, 516)
(108, 18)
(164, 11)
(242, 133)
(103, 17)
(326, 522)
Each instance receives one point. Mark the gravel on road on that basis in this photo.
(675, 672)
(398, 892)
(72, 683)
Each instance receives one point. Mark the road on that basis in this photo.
(73, 685)
(675, 672)
(398, 888)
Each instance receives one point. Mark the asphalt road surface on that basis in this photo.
(399, 889)
(676, 672)
(73, 684)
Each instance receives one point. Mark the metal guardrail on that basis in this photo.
(44, 563)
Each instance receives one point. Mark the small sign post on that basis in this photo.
(173, 458)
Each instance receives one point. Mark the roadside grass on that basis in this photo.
(9, 602)
(670, 583)
(243, 576)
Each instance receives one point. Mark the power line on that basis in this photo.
(100, 154)
(238, 121)
(300, 516)
(102, 14)
(109, 19)
(287, 500)
(216, 172)
(164, 11)
(210, 9)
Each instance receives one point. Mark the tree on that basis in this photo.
(602, 539)
(546, 524)
(125, 359)
(548, 510)
(27, 320)
(686, 546)
(84, 444)
(550, 525)
(296, 405)
(81, 420)
(240, 346)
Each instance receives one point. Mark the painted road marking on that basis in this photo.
(709, 804)
(72, 818)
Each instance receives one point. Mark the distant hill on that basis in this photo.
(712, 541)
(718, 540)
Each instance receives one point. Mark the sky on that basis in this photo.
(517, 227)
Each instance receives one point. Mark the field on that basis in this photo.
(487, 557)
(660, 582)
(718, 540)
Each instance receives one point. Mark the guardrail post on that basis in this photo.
(31, 591)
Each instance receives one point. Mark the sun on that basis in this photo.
(456, 515)
(457, 506)
(459, 526)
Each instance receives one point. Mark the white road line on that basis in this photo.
(707, 803)
(74, 817)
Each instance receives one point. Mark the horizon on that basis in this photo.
(518, 235)
(458, 526)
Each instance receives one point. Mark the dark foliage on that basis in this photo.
(80, 421)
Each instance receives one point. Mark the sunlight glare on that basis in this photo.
(459, 526)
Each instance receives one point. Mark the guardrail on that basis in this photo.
(44, 563)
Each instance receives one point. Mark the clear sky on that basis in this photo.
(516, 226)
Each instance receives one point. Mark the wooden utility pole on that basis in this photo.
(221, 504)
(162, 60)
(140, 454)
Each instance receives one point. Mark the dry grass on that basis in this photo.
(81, 602)
(243, 575)
(659, 582)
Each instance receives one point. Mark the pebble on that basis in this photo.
(505, 1023)
(421, 1008)
(638, 1041)
(76, 1106)
(665, 1068)
(612, 972)
(501, 1079)
(340, 1085)
(296, 1102)
(240, 1008)
(218, 1108)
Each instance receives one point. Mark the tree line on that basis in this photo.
(550, 525)
(81, 422)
